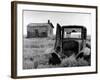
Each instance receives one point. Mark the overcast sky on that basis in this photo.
(63, 18)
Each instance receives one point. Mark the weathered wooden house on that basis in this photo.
(40, 30)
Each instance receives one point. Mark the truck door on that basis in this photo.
(58, 42)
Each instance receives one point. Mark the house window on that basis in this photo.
(43, 34)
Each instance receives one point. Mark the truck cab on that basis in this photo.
(71, 39)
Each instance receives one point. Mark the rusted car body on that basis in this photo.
(71, 39)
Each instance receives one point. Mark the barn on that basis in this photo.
(40, 30)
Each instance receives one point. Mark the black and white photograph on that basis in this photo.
(56, 39)
(53, 39)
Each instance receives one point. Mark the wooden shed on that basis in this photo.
(40, 30)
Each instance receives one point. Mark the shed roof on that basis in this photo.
(41, 24)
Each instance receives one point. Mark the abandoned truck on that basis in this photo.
(70, 39)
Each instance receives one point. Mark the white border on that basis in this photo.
(21, 72)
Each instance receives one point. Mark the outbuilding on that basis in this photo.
(40, 30)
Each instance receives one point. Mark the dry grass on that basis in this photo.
(72, 62)
(37, 53)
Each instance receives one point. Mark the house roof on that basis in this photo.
(41, 24)
(51, 25)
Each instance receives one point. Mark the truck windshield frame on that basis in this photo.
(83, 32)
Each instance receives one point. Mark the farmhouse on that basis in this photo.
(40, 30)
